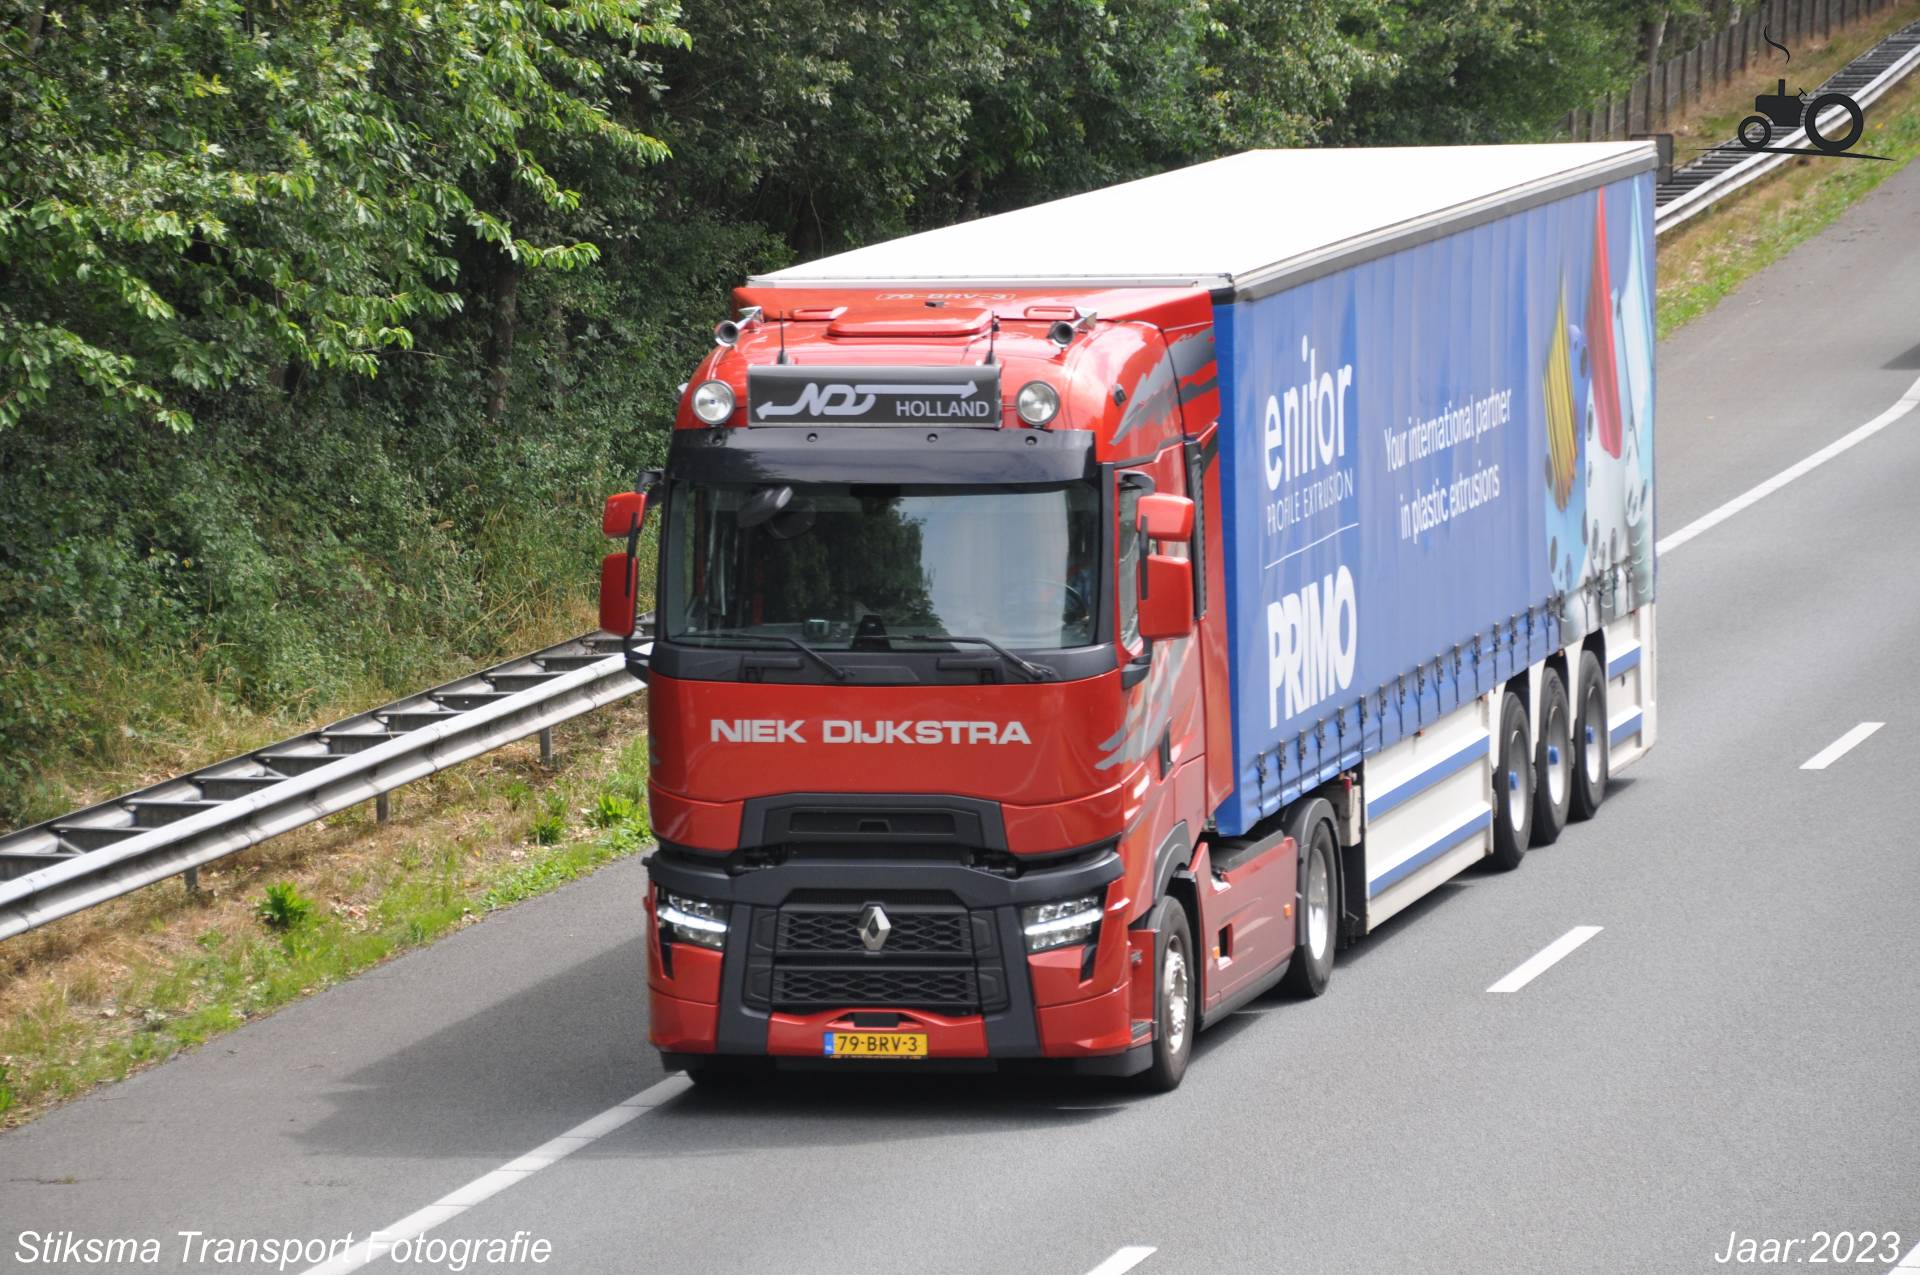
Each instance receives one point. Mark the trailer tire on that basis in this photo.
(1590, 742)
(1553, 768)
(1311, 968)
(1512, 786)
(1176, 998)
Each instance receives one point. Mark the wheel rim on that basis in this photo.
(1517, 790)
(1557, 747)
(1319, 902)
(1174, 988)
(1595, 754)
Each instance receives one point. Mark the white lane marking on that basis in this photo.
(1907, 403)
(1840, 747)
(1537, 964)
(380, 1243)
(1125, 1260)
(1911, 1262)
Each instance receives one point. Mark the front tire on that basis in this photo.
(1311, 968)
(1590, 742)
(1176, 1001)
(1513, 786)
(1553, 770)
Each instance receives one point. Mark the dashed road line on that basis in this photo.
(1537, 964)
(1840, 747)
(1125, 1260)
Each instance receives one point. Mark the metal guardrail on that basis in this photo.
(1729, 166)
(70, 863)
(66, 864)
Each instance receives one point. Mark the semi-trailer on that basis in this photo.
(1072, 623)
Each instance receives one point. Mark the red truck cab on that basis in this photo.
(938, 633)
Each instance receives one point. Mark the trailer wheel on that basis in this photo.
(1176, 998)
(1590, 742)
(1311, 968)
(1512, 786)
(1553, 771)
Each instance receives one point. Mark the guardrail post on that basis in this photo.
(380, 808)
(546, 746)
(192, 877)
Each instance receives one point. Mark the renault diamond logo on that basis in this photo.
(874, 927)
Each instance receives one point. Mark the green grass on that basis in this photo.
(1706, 261)
(87, 1027)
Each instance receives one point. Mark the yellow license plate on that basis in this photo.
(874, 1045)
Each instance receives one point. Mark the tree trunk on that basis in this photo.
(1652, 36)
(506, 314)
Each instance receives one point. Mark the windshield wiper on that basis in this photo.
(1034, 672)
(839, 673)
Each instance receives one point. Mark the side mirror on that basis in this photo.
(1166, 592)
(1166, 517)
(619, 583)
(624, 514)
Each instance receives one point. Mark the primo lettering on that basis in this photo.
(1312, 639)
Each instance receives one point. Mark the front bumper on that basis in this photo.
(759, 998)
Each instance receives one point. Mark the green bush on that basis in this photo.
(612, 809)
(284, 908)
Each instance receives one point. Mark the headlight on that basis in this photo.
(1062, 924)
(713, 402)
(1037, 403)
(698, 921)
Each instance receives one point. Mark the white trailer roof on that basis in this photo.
(1247, 224)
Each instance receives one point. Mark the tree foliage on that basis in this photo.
(325, 323)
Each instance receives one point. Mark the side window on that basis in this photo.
(1128, 583)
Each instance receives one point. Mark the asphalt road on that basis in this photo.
(1737, 1051)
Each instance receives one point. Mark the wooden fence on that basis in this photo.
(1733, 51)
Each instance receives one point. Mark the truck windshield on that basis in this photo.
(866, 567)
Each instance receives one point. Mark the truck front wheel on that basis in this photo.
(1176, 1010)
(1512, 786)
(1312, 966)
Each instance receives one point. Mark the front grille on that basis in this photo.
(914, 933)
(939, 956)
(800, 987)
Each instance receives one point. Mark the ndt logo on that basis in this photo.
(769, 730)
(842, 400)
(826, 400)
(1313, 637)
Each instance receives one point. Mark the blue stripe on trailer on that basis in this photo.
(1619, 665)
(1446, 766)
(1625, 730)
(1447, 841)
